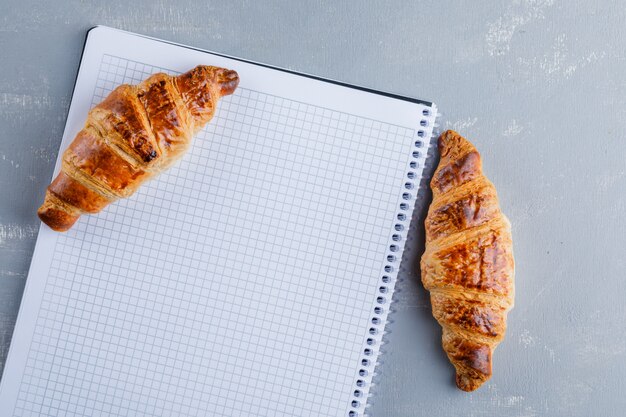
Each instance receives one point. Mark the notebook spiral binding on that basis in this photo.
(388, 277)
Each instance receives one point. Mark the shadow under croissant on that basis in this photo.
(415, 246)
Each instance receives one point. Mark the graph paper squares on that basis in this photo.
(240, 282)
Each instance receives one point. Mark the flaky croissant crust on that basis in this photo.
(468, 265)
(135, 133)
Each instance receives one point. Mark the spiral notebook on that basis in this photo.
(252, 279)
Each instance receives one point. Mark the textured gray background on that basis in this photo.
(539, 85)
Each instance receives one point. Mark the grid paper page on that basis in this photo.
(241, 282)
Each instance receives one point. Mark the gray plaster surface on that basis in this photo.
(538, 85)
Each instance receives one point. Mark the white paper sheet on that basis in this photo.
(244, 280)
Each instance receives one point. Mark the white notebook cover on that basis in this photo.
(252, 279)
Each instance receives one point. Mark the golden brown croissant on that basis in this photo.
(468, 264)
(131, 136)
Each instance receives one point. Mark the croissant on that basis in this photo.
(468, 265)
(133, 135)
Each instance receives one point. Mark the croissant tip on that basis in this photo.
(228, 81)
(58, 220)
(467, 383)
(447, 137)
(451, 140)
